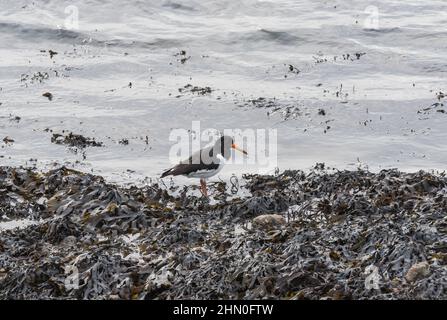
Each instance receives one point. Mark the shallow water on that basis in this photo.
(240, 49)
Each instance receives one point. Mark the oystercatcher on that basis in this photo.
(205, 163)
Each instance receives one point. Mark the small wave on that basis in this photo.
(177, 6)
(374, 32)
(38, 34)
(159, 43)
(280, 37)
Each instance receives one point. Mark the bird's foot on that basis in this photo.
(203, 188)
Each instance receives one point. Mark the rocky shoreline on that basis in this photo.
(296, 235)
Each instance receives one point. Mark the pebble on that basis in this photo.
(417, 271)
(269, 221)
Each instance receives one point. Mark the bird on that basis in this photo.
(206, 162)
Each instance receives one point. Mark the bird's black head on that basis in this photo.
(224, 145)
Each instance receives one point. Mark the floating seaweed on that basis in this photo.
(195, 89)
(75, 140)
(287, 110)
(37, 77)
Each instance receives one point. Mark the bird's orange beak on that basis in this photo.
(235, 147)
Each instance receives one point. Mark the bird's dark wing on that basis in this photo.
(185, 169)
(192, 164)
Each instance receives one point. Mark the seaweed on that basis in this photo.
(295, 235)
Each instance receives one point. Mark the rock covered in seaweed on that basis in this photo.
(417, 271)
(269, 221)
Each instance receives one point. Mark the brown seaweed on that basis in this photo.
(297, 235)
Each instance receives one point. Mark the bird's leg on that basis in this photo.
(203, 187)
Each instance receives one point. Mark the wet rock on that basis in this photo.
(417, 271)
(8, 140)
(269, 221)
(69, 241)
